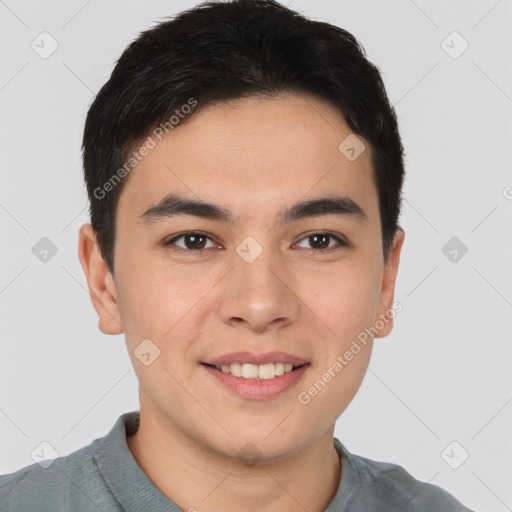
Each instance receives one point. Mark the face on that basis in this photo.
(240, 275)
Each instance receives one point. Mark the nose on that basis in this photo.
(259, 295)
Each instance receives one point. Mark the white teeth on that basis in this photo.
(266, 371)
(235, 369)
(250, 371)
(279, 368)
(255, 371)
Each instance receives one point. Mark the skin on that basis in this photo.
(255, 157)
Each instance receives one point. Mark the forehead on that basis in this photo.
(250, 154)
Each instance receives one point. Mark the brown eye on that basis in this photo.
(192, 241)
(321, 241)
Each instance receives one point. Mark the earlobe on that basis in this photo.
(384, 320)
(100, 281)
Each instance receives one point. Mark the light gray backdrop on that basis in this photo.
(439, 387)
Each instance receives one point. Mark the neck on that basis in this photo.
(197, 478)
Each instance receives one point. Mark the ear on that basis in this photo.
(102, 287)
(387, 292)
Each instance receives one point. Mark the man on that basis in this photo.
(244, 171)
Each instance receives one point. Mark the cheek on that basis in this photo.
(167, 304)
(345, 299)
(347, 305)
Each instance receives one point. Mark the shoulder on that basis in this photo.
(72, 482)
(390, 487)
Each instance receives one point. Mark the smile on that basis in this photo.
(246, 381)
(257, 371)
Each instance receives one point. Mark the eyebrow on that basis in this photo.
(173, 204)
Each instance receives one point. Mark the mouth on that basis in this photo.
(256, 372)
(257, 381)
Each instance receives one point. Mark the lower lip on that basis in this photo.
(258, 389)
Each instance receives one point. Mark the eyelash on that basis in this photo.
(341, 242)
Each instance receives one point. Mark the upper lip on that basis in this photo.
(255, 358)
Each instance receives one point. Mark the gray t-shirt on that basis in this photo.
(104, 476)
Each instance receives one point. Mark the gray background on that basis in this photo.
(443, 375)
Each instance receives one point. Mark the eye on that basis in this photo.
(193, 241)
(320, 241)
(196, 241)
